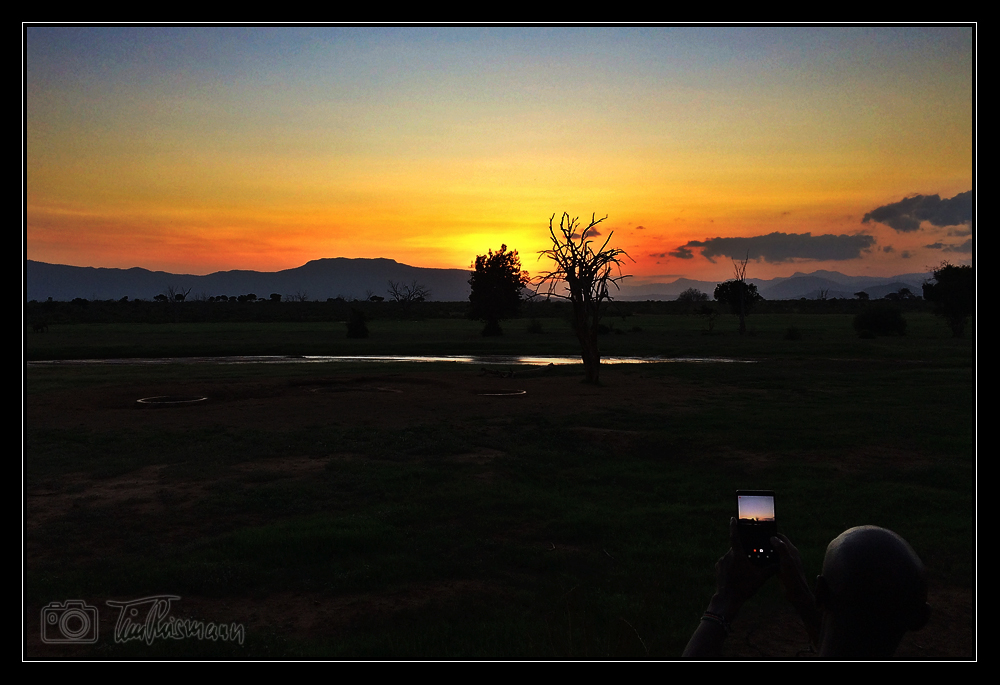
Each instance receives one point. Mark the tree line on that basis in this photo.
(584, 274)
(581, 271)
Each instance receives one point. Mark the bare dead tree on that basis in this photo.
(406, 295)
(740, 295)
(740, 269)
(175, 294)
(587, 274)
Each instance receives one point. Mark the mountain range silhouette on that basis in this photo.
(321, 279)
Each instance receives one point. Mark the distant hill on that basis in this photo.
(321, 279)
(810, 286)
(836, 285)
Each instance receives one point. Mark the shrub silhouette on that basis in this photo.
(692, 295)
(356, 326)
(880, 318)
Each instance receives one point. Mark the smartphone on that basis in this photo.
(756, 525)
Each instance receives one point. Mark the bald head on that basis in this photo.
(873, 587)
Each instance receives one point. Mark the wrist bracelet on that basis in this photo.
(717, 618)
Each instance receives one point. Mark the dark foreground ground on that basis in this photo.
(413, 512)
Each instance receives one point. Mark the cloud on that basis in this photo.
(965, 247)
(640, 228)
(781, 247)
(888, 248)
(906, 215)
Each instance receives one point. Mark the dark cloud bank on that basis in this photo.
(965, 247)
(780, 247)
(906, 215)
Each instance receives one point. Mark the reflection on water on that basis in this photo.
(384, 358)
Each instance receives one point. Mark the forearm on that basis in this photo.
(737, 580)
(709, 636)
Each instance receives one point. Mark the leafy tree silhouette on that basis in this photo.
(953, 293)
(496, 281)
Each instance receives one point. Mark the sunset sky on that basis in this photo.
(196, 150)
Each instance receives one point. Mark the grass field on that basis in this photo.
(397, 511)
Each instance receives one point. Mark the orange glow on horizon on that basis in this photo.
(364, 143)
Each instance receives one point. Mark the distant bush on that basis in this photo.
(356, 327)
(880, 318)
(793, 333)
(692, 295)
(535, 326)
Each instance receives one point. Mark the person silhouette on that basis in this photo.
(873, 590)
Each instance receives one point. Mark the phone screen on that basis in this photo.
(757, 524)
(755, 507)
